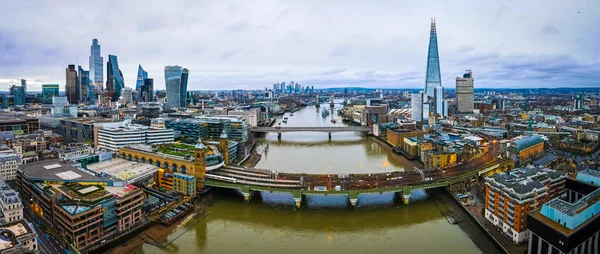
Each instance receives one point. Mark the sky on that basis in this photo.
(254, 44)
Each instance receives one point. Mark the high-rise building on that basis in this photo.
(96, 66)
(114, 79)
(433, 78)
(142, 74)
(127, 96)
(18, 93)
(83, 84)
(438, 100)
(416, 105)
(24, 85)
(176, 78)
(48, 91)
(147, 91)
(71, 84)
(464, 93)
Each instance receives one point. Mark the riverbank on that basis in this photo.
(397, 157)
(484, 243)
(158, 234)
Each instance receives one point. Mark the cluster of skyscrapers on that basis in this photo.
(292, 88)
(430, 101)
(83, 86)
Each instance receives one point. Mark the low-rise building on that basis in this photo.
(570, 225)
(10, 205)
(439, 159)
(82, 208)
(8, 166)
(185, 184)
(396, 136)
(524, 149)
(510, 196)
(18, 237)
(113, 138)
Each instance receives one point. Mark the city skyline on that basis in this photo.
(507, 45)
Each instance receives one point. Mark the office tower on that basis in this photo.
(445, 111)
(71, 84)
(147, 92)
(114, 79)
(18, 94)
(96, 78)
(96, 66)
(282, 87)
(142, 74)
(416, 105)
(83, 85)
(578, 102)
(127, 96)
(276, 87)
(464, 93)
(438, 100)
(49, 91)
(433, 78)
(176, 78)
(24, 85)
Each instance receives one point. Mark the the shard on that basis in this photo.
(433, 78)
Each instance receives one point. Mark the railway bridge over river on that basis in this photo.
(249, 181)
(329, 130)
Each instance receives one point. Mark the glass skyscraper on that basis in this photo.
(71, 84)
(83, 85)
(49, 90)
(114, 78)
(96, 65)
(142, 74)
(433, 78)
(147, 91)
(176, 79)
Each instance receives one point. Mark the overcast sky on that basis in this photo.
(253, 44)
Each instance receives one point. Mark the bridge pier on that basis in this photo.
(247, 193)
(329, 135)
(406, 196)
(353, 196)
(278, 135)
(298, 199)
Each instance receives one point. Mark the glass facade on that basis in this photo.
(49, 90)
(433, 78)
(142, 74)
(115, 82)
(96, 71)
(83, 85)
(147, 90)
(176, 79)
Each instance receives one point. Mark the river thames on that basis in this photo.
(269, 223)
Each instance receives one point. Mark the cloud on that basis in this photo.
(232, 44)
(549, 29)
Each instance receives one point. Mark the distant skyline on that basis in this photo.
(251, 45)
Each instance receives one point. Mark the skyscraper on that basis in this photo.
(142, 74)
(71, 84)
(96, 65)
(416, 105)
(438, 100)
(464, 93)
(176, 79)
(48, 91)
(24, 85)
(433, 78)
(114, 79)
(83, 85)
(147, 91)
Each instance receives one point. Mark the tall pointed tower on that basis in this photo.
(224, 147)
(199, 161)
(432, 78)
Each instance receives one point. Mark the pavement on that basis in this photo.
(493, 230)
(47, 243)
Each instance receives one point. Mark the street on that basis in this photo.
(46, 242)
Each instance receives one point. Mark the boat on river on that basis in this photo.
(333, 121)
(324, 112)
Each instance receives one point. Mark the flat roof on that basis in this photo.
(123, 169)
(57, 170)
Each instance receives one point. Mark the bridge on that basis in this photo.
(250, 180)
(312, 129)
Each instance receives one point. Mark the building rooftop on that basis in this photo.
(56, 170)
(526, 142)
(589, 176)
(123, 169)
(10, 232)
(522, 181)
(8, 195)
